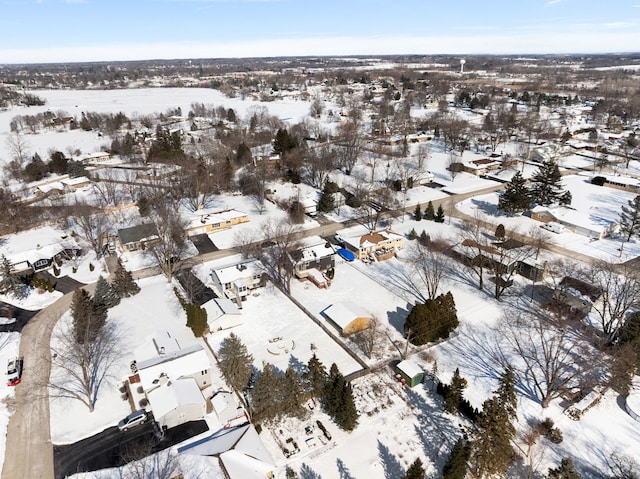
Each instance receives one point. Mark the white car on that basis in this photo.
(134, 419)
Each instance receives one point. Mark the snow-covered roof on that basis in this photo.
(154, 344)
(169, 395)
(344, 314)
(371, 239)
(232, 272)
(79, 180)
(410, 368)
(32, 245)
(53, 186)
(217, 307)
(239, 449)
(174, 365)
(314, 252)
(222, 400)
(571, 217)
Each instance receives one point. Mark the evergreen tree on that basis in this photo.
(333, 390)
(416, 470)
(265, 396)
(284, 142)
(546, 185)
(196, 319)
(439, 216)
(417, 214)
(491, 450)
(454, 393)
(105, 294)
(429, 212)
(88, 318)
(500, 232)
(124, 283)
(326, 203)
(456, 465)
(506, 393)
(434, 319)
(346, 414)
(9, 284)
(630, 218)
(315, 377)
(235, 362)
(293, 393)
(424, 238)
(515, 197)
(566, 470)
(412, 234)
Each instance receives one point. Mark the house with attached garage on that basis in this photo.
(314, 263)
(204, 222)
(375, 246)
(586, 223)
(37, 250)
(168, 379)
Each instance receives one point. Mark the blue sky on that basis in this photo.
(102, 30)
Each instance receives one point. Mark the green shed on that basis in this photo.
(409, 373)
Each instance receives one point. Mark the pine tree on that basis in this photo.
(196, 319)
(346, 415)
(506, 393)
(417, 214)
(454, 393)
(105, 294)
(439, 216)
(88, 318)
(429, 212)
(431, 320)
(124, 283)
(9, 284)
(456, 465)
(546, 185)
(416, 470)
(515, 198)
(293, 393)
(315, 377)
(491, 450)
(265, 396)
(333, 390)
(424, 239)
(630, 218)
(326, 203)
(235, 362)
(566, 470)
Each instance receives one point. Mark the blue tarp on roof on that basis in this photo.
(346, 254)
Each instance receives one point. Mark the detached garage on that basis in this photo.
(347, 318)
(409, 373)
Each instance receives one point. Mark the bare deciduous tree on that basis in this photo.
(370, 339)
(79, 370)
(549, 358)
(283, 237)
(92, 225)
(172, 242)
(350, 142)
(430, 265)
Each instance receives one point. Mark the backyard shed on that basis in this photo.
(410, 372)
(347, 317)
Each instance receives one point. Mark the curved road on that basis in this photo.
(29, 452)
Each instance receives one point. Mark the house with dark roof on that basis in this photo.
(138, 237)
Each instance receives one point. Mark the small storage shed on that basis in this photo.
(410, 372)
(347, 317)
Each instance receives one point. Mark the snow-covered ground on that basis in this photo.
(412, 422)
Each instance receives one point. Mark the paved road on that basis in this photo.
(29, 452)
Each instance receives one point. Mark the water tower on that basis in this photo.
(462, 62)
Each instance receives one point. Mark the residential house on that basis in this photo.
(72, 184)
(37, 249)
(347, 318)
(577, 296)
(377, 246)
(96, 157)
(586, 224)
(205, 223)
(481, 167)
(138, 237)
(313, 262)
(240, 452)
(168, 379)
(236, 280)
